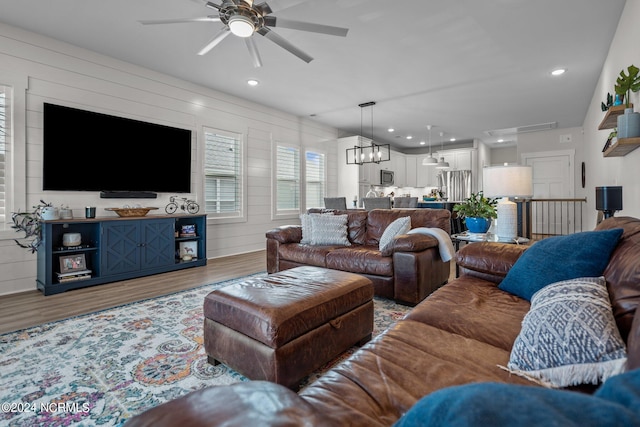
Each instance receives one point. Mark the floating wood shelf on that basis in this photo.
(610, 120)
(622, 147)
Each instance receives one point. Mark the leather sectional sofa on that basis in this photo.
(460, 334)
(410, 271)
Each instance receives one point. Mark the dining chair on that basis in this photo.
(405, 202)
(338, 203)
(376, 203)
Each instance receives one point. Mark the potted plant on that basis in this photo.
(29, 224)
(477, 211)
(629, 122)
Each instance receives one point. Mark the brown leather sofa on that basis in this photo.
(458, 335)
(408, 274)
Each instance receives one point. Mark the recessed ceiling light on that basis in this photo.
(452, 140)
(422, 143)
(253, 82)
(558, 72)
(501, 140)
(409, 137)
(390, 130)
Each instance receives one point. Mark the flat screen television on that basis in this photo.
(88, 151)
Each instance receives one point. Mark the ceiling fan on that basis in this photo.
(243, 18)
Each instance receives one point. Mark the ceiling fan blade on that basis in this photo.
(284, 44)
(253, 51)
(215, 40)
(249, 2)
(212, 5)
(179, 20)
(273, 21)
(279, 5)
(264, 9)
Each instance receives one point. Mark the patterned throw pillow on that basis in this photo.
(569, 336)
(329, 230)
(397, 227)
(305, 221)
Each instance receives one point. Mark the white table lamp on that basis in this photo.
(505, 182)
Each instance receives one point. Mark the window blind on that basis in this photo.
(223, 173)
(5, 133)
(288, 178)
(315, 179)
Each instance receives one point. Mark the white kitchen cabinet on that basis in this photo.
(423, 175)
(398, 165)
(419, 175)
(461, 159)
(411, 171)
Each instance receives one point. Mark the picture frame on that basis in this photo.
(188, 250)
(188, 230)
(72, 263)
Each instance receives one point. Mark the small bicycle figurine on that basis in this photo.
(186, 205)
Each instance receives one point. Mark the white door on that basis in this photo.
(552, 179)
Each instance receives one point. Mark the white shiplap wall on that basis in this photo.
(67, 75)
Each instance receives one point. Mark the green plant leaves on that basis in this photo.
(477, 206)
(625, 84)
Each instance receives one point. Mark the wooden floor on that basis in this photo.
(22, 310)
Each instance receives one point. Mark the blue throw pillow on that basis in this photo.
(559, 258)
(615, 403)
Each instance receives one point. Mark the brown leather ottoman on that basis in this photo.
(283, 326)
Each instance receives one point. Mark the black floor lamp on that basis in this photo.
(608, 200)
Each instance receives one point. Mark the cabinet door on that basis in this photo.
(425, 174)
(120, 247)
(463, 160)
(157, 243)
(374, 173)
(451, 159)
(399, 168)
(411, 171)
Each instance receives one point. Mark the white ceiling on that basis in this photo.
(463, 66)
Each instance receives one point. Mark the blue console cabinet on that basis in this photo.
(115, 248)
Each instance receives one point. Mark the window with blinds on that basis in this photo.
(5, 134)
(287, 178)
(314, 179)
(223, 176)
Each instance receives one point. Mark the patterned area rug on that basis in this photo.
(103, 368)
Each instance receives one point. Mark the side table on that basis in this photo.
(483, 237)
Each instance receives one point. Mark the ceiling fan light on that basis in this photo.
(241, 26)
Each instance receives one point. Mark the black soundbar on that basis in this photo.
(128, 195)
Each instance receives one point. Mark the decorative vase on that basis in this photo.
(477, 225)
(628, 124)
(49, 212)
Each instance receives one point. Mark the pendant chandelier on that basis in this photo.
(429, 161)
(441, 163)
(373, 153)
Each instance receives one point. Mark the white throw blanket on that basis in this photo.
(444, 240)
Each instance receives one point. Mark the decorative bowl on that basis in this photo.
(428, 199)
(71, 239)
(127, 212)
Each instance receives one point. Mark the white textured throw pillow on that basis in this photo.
(397, 227)
(329, 230)
(305, 221)
(569, 336)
